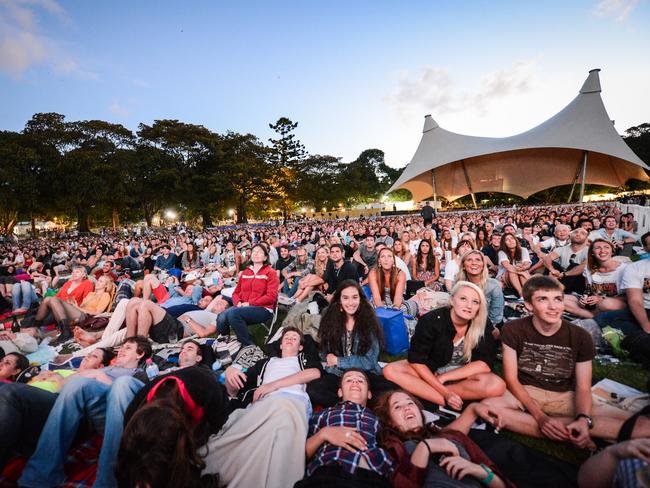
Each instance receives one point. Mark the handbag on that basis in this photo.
(93, 323)
(396, 336)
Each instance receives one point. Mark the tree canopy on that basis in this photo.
(101, 173)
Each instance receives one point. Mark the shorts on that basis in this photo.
(167, 330)
(161, 293)
(553, 403)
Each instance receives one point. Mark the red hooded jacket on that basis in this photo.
(259, 290)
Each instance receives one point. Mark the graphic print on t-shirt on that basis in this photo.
(646, 285)
(605, 289)
(549, 363)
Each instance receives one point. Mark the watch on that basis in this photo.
(590, 421)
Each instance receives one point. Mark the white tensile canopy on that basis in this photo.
(579, 142)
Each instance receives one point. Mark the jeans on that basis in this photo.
(81, 397)
(23, 295)
(290, 290)
(238, 318)
(23, 412)
(622, 320)
(177, 299)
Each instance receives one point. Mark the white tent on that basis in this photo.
(579, 142)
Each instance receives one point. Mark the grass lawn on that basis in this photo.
(628, 373)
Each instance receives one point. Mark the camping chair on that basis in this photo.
(270, 324)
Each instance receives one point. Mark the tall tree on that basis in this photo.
(153, 177)
(638, 138)
(318, 184)
(287, 156)
(21, 182)
(360, 179)
(246, 171)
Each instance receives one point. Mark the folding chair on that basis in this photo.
(270, 324)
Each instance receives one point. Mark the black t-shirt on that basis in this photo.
(548, 362)
(491, 253)
(335, 276)
(281, 263)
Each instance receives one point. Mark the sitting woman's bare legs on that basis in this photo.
(573, 306)
(405, 376)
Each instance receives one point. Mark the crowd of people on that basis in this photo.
(530, 288)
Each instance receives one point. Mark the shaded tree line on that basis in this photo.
(99, 172)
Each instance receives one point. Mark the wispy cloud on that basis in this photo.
(116, 109)
(23, 45)
(614, 8)
(500, 84)
(434, 90)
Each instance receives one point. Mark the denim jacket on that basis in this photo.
(367, 362)
(495, 300)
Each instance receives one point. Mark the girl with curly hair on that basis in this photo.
(350, 337)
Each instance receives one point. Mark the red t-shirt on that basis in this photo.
(78, 293)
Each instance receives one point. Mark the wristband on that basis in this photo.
(490, 475)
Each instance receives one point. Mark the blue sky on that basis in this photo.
(355, 75)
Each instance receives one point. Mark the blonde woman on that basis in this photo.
(474, 268)
(452, 352)
(402, 251)
(66, 312)
(313, 281)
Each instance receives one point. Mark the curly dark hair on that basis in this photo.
(332, 325)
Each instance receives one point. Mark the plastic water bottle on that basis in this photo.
(152, 369)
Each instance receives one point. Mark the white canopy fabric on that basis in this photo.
(548, 155)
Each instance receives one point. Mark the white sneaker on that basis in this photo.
(285, 300)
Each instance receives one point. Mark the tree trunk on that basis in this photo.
(8, 220)
(116, 219)
(241, 210)
(33, 222)
(148, 214)
(82, 219)
(207, 220)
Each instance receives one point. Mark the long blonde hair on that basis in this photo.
(462, 274)
(476, 327)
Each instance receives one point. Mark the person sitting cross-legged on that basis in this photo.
(547, 367)
(452, 352)
(350, 336)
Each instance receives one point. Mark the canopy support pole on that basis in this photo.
(575, 181)
(469, 184)
(584, 174)
(433, 186)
